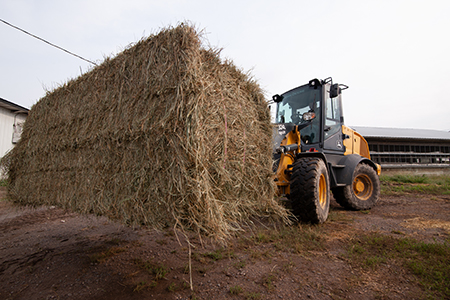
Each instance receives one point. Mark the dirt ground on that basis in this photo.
(49, 253)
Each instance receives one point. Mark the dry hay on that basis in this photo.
(422, 223)
(164, 134)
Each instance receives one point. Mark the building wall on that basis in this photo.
(411, 156)
(6, 129)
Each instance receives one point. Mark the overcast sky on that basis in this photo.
(394, 55)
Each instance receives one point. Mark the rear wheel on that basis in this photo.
(310, 190)
(364, 191)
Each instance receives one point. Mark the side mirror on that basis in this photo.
(335, 90)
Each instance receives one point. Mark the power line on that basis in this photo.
(41, 39)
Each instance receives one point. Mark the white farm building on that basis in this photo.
(12, 117)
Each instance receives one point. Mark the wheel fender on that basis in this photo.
(345, 175)
(313, 154)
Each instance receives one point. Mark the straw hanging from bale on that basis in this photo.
(165, 132)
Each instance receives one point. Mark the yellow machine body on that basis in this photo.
(286, 161)
(354, 143)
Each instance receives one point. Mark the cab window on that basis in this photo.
(333, 116)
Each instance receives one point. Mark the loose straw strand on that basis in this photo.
(226, 132)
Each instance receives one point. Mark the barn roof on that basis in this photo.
(12, 106)
(402, 133)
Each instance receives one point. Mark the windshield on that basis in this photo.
(297, 102)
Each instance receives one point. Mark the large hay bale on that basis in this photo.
(163, 134)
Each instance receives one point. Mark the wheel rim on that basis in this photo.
(322, 190)
(362, 187)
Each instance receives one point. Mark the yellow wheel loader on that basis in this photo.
(315, 153)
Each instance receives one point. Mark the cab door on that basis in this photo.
(333, 143)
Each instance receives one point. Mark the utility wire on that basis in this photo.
(71, 53)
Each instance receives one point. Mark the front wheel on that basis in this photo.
(310, 190)
(364, 191)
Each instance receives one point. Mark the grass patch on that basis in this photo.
(158, 270)
(296, 238)
(252, 296)
(3, 182)
(406, 178)
(336, 215)
(262, 237)
(236, 290)
(399, 184)
(287, 267)
(199, 257)
(302, 237)
(374, 261)
(239, 265)
(268, 281)
(172, 287)
(260, 254)
(142, 285)
(429, 262)
(215, 255)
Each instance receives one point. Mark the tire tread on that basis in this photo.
(304, 191)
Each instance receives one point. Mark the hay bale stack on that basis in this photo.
(165, 133)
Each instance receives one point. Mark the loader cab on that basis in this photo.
(316, 108)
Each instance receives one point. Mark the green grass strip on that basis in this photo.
(429, 262)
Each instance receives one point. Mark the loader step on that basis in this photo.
(339, 166)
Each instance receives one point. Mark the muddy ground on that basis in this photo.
(49, 253)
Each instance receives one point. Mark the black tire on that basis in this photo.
(364, 191)
(310, 190)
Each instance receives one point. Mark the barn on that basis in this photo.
(12, 117)
(408, 151)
